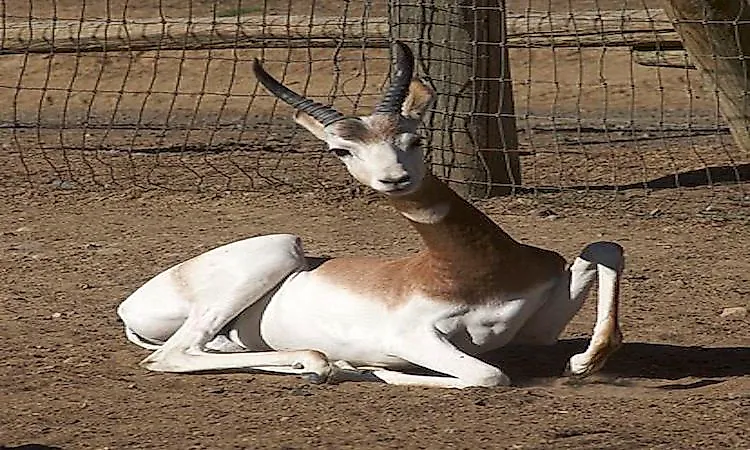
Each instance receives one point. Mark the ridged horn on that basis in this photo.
(398, 90)
(322, 113)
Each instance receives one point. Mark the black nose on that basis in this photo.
(404, 179)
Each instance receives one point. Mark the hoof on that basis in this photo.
(316, 378)
(153, 363)
(593, 359)
(583, 365)
(568, 372)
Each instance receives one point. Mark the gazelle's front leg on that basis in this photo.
(430, 349)
(219, 285)
(606, 260)
(602, 260)
(346, 372)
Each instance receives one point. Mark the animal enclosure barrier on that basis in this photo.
(596, 104)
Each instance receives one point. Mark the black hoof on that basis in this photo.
(314, 378)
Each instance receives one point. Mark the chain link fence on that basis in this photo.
(607, 109)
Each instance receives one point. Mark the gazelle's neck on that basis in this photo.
(468, 259)
(449, 225)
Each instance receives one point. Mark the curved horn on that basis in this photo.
(396, 94)
(322, 113)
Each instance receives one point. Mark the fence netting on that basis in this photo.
(606, 106)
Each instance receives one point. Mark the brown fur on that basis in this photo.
(381, 128)
(419, 99)
(468, 259)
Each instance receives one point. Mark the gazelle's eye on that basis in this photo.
(341, 152)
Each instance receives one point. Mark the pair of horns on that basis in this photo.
(390, 104)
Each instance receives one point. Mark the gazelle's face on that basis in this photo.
(379, 151)
(382, 150)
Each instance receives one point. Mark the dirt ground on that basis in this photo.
(71, 380)
(80, 230)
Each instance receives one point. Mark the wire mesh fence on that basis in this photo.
(607, 108)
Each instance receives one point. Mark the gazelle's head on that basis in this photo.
(381, 150)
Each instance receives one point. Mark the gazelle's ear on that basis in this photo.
(312, 125)
(420, 98)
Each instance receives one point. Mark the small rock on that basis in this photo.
(734, 312)
(63, 184)
(56, 315)
(546, 213)
(301, 392)
(632, 194)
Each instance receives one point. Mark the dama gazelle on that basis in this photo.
(262, 304)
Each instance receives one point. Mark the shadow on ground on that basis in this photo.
(30, 447)
(707, 176)
(633, 360)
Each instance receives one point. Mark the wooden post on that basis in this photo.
(637, 28)
(716, 34)
(280, 31)
(459, 44)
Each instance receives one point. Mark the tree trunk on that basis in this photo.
(716, 34)
(460, 47)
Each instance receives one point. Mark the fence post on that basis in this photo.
(473, 131)
(716, 34)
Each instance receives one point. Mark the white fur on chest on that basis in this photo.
(489, 326)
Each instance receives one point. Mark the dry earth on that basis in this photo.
(71, 380)
(92, 226)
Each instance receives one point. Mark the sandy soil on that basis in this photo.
(81, 229)
(71, 380)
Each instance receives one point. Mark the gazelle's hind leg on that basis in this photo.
(602, 260)
(140, 341)
(215, 287)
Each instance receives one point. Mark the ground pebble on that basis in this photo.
(734, 312)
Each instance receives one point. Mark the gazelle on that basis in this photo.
(262, 304)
